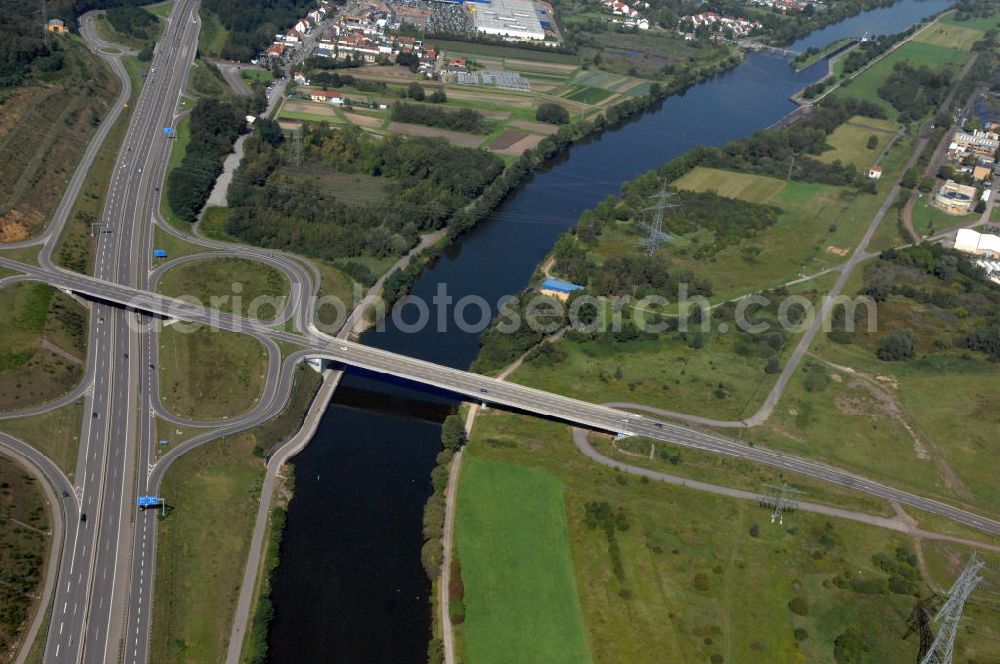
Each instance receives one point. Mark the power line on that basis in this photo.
(950, 615)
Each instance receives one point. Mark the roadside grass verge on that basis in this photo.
(213, 492)
(25, 531)
(693, 576)
(210, 374)
(212, 36)
(182, 137)
(206, 81)
(224, 283)
(55, 433)
(161, 9)
(75, 250)
(45, 344)
(522, 601)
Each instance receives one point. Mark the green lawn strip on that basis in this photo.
(55, 433)
(697, 574)
(212, 36)
(219, 282)
(27, 255)
(256, 76)
(210, 374)
(505, 52)
(45, 344)
(174, 246)
(522, 601)
(334, 286)
(206, 81)
(75, 249)
(213, 223)
(22, 567)
(213, 492)
(928, 219)
(161, 9)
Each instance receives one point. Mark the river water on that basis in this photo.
(350, 586)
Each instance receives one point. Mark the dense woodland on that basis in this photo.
(252, 24)
(132, 21)
(214, 125)
(915, 92)
(426, 181)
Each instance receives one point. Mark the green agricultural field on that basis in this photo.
(45, 344)
(588, 95)
(694, 577)
(210, 374)
(981, 23)
(849, 141)
(219, 277)
(522, 600)
(745, 186)
(866, 85)
(491, 50)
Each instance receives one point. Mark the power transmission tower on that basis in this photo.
(655, 235)
(951, 613)
(781, 502)
(295, 157)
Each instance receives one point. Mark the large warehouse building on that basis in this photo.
(511, 19)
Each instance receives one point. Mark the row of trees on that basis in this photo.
(464, 119)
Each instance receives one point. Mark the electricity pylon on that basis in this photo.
(295, 156)
(781, 501)
(655, 235)
(951, 613)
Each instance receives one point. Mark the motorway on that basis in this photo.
(102, 604)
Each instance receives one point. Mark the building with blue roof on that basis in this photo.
(558, 288)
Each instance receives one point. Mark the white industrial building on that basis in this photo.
(510, 19)
(980, 244)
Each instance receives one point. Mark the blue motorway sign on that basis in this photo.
(147, 501)
(168, 130)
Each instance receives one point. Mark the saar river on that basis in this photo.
(350, 586)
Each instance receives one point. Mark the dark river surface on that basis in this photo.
(350, 586)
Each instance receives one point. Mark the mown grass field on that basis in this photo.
(928, 219)
(693, 581)
(919, 54)
(745, 186)
(950, 35)
(225, 280)
(45, 344)
(523, 604)
(210, 374)
(849, 141)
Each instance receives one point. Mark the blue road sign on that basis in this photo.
(168, 130)
(160, 253)
(147, 501)
(163, 442)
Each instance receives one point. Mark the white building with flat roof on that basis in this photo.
(980, 244)
(511, 19)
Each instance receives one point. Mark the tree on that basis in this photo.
(415, 92)
(453, 433)
(552, 113)
(872, 142)
(896, 345)
(438, 97)
(772, 366)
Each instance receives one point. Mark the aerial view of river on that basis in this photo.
(350, 586)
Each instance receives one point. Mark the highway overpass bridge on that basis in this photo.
(492, 391)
